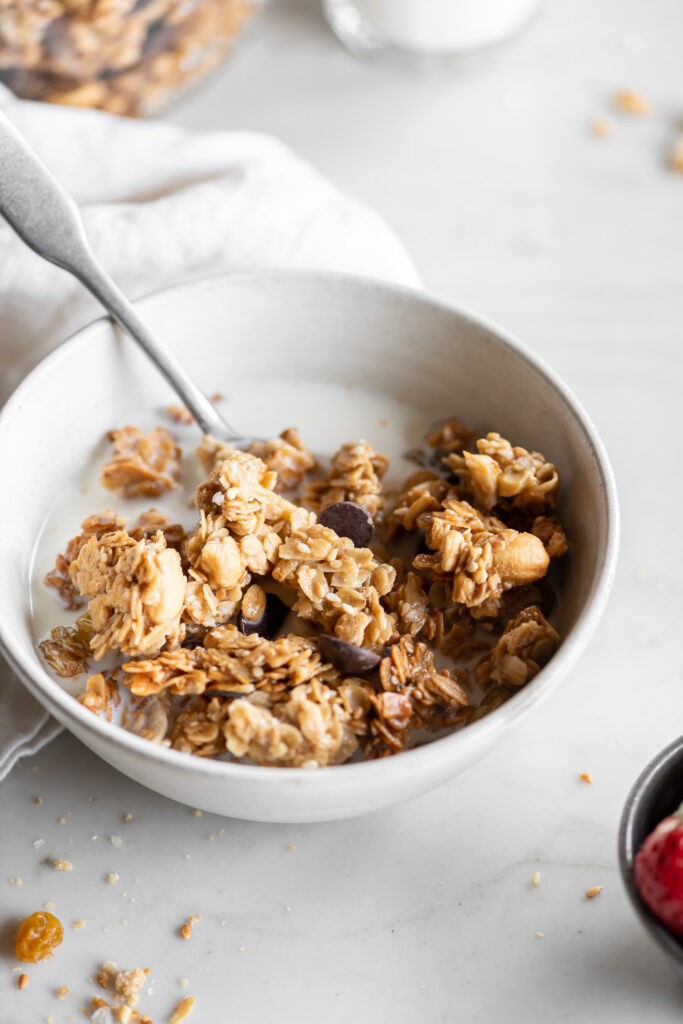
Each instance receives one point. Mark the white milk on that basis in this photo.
(444, 26)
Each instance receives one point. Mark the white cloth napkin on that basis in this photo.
(162, 205)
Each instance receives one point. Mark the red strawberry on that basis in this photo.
(659, 871)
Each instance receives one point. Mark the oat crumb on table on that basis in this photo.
(62, 991)
(540, 935)
(676, 156)
(77, 925)
(602, 128)
(62, 865)
(127, 817)
(112, 878)
(536, 878)
(23, 981)
(586, 777)
(628, 101)
(16, 881)
(594, 891)
(182, 1010)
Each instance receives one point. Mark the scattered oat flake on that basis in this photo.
(290, 847)
(37, 799)
(536, 878)
(601, 128)
(77, 925)
(63, 865)
(113, 877)
(62, 991)
(287, 907)
(23, 980)
(221, 832)
(243, 949)
(61, 821)
(115, 840)
(37, 843)
(183, 982)
(594, 891)
(197, 813)
(676, 156)
(182, 1010)
(186, 930)
(124, 1014)
(627, 101)
(586, 777)
(540, 935)
(127, 817)
(49, 905)
(16, 881)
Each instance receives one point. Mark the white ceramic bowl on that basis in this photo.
(282, 328)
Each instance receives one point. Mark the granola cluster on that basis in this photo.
(355, 475)
(122, 56)
(373, 650)
(142, 466)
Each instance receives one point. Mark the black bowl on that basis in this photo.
(657, 793)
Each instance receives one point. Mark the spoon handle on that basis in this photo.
(49, 221)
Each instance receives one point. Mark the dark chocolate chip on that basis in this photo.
(267, 626)
(348, 519)
(347, 657)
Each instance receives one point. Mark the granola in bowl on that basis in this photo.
(310, 611)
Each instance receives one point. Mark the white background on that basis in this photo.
(426, 913)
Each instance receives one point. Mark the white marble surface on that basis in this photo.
(426, 912)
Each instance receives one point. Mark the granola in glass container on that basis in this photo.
(312, 614)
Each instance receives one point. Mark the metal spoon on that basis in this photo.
(48, 220)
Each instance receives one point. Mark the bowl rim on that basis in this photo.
(50, 693)
(639, 792)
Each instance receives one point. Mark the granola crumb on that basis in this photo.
(124, 1014)
(49, 905)
(221, 832)
(63, 865)
(103, 979)
(628, 101)
(77, 925)
(16, 881)
(182, 1010)
(61, 821)
(37, 799)
(540, 935)
(197, 813)
(601, 128)
(586, 777)
(183, 982)
(112, 878)
(536, 878)
(594, 891)
(186, 930)
(243, 949)
(290, 847)
(127, 817)
(287, 906)
(23, 981)
(115, 840)
(62, 991)
(180, 414)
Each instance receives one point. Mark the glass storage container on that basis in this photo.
(125, 56)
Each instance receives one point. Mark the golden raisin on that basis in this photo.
(38, 937)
